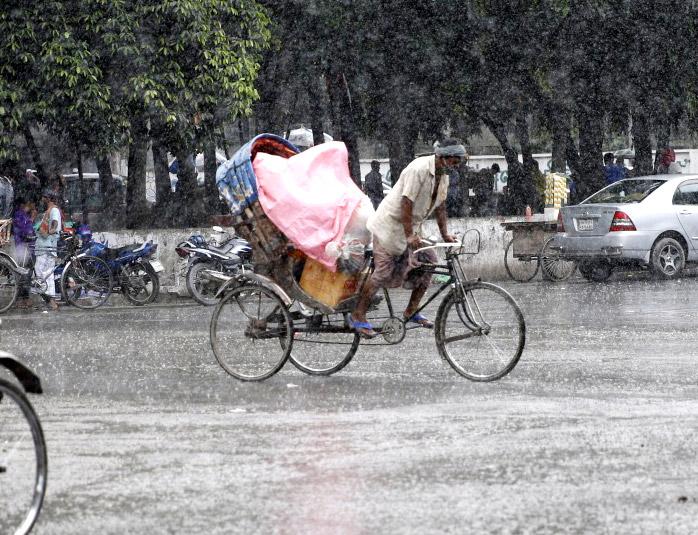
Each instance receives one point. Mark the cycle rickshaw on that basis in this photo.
(273, 315)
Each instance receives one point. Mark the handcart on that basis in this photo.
(530, 249)
(293, 308)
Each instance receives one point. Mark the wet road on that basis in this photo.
(593, 431)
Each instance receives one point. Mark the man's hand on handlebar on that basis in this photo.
(414, 241)
(450, 238)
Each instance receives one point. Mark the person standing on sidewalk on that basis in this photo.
(24, 236)
(373, 184)
(47, 246)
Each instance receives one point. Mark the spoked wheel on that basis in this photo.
(521, 267)
(481, 335)
(324, 345)
(139, 283)
(9, 286)
(86, 282)
(23, 461)
(251, 333)
(202, 289)
(553, 267)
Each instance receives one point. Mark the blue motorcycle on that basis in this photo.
(134, 272)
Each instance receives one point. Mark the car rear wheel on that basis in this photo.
(595, 270)
(668, 258)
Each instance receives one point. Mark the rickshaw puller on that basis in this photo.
(420, 190)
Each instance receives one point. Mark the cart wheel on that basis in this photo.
(521, 268)
(552, 266)
(323, 344)
(251, 333)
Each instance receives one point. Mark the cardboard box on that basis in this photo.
(330, 288)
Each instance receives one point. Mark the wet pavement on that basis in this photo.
(593, 431)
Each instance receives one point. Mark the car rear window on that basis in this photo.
(625, 191)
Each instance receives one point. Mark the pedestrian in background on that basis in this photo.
(373, 184)
(24, 236)
(46, 248)
(611, 172)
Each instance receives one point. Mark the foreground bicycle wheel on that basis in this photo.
(482, 334)
(86, 282)
(9, 286)
(251, 333)
(326, 347)
(23, 462)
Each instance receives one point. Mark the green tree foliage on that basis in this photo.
(99, 72)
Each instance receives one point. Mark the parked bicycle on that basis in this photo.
(23, 458)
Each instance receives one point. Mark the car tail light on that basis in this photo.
(560, 223)
(181, 252)
(621, 221)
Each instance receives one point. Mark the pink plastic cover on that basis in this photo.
(310, 196)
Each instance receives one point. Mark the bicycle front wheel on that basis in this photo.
(482, 334)
(251, 333)
(23, 462)
(86, 282)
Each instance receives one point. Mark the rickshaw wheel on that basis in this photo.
(521, 268)
(554, 268)
(319, 350)
(251, 332)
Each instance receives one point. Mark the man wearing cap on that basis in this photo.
(421, 189)
(46, 245)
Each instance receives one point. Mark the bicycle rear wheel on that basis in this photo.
(522, 268)
(553, 267)
(251, 333)
(23, 461)
(326, 347)
(86, 282)
(9, 286)
(482, 334)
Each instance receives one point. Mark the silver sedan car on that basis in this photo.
(647, 221)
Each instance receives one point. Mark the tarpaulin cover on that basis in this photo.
(235, 178)
(310, 197)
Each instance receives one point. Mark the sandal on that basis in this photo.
(364, 328)
(420, 320)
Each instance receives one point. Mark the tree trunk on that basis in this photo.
(136, 206)
(519, 187)
(210, 167)
(111, 201)
(315, 98)
(400, 150)
(663, 135)
(163, 186)
(83, 189)
(560, 134)
(642, 144)
(340, 101)
(590, 146)
(534, 194)
(190, 210)
(36, 156)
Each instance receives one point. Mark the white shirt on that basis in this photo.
(416, 183)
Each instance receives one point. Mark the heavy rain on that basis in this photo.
(323, 266)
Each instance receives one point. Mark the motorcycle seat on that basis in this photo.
(222, 250)
(119, 251)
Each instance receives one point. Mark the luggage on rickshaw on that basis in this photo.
(305, 262)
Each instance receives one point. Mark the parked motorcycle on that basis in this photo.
(220, 254)
(134, 271)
